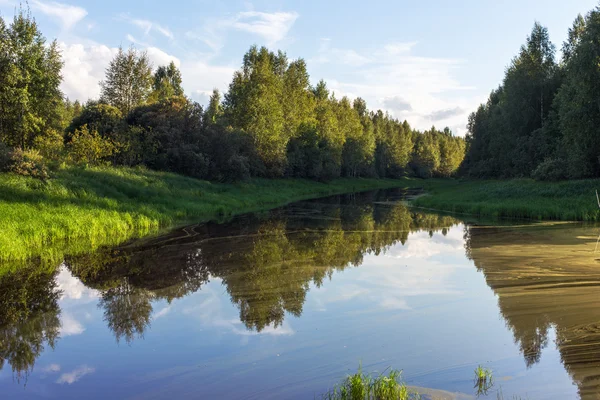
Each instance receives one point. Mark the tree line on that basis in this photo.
(542, 121)
(271, 122)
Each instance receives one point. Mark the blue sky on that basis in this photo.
(430, 62)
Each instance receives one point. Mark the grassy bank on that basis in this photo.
(519, 198)
(80, 209)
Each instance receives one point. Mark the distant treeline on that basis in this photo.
(271, 122)
(543, 119)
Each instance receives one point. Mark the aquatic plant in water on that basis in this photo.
(483, 380)
(361, 386)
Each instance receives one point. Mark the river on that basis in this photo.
(286, 303)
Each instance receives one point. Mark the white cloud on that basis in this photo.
(159, 57)
(271, 27)
(392, 77)
(75, 375)
(201, 77)
(342, 56)
(52, 368)
(148, 26)
(66, 14)
(85, 67)
(69, 326)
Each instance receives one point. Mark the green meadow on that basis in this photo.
(80, 209)
(517, 198)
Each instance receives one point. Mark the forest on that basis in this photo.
(542, 121)
(272, 122)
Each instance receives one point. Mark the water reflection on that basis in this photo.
(267, 262)
(546, 277)
(29, 317)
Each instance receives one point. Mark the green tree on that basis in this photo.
(30, 76)
(214, 111)
(167, 82)
(128, 81)
(573, 38)
(359, 144)
(297, 99)
(577, 101)
(253, 104)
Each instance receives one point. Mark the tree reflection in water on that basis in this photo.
(546, 277)
(29, 317)
(267, 262)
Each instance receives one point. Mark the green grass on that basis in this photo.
(483, 380)
(519, 198)
(81, 209)
(361, 386)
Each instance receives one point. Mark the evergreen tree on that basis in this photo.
(577, 101)
(214, 111)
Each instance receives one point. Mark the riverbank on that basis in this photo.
(517, 198)
(80, 209)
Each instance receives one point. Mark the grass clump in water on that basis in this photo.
(361, 386)
(483, 380)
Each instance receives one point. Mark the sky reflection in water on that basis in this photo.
(284, 304)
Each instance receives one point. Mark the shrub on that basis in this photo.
(28, 163)
(89, 147)
(551, 169)
(50, 145)
(102, 118)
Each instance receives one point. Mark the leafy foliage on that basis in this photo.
(30, 75)
(271, 123)
(28, 163)
(542, 121)
(128, 81)
(89, 148)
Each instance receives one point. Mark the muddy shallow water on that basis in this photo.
(284, 304)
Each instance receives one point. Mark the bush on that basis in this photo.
(187, 161)
(102, 118)
(28, 163)
(50, 145)
(89, 147)
(551, 169)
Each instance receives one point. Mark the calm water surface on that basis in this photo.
(284, 304)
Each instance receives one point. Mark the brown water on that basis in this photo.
(284, 304)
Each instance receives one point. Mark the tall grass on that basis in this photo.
(518, 198)
(361, 386)
(80, 209)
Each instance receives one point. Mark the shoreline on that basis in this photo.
(79, 210)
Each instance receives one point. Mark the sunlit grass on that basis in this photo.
(361, 386)
(80, 209)
(518, 198)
